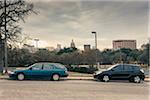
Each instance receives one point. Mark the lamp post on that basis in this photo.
(95, 46)
(5, 39)
(149, 51)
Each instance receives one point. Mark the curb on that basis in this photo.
(147, 79)
(80, 78)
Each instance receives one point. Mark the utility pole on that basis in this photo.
(5, 47)
(95, 47)
(149, 51)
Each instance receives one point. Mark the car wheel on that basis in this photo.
(55, 77)
(105, 78)
(137, 79)
(20, 77)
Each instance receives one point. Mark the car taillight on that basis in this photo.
(142, 70)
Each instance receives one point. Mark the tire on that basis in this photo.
(105, 78)
(20, 76)
(131, 79)
(136, 79)
(55, 77)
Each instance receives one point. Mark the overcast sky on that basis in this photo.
(60, 21)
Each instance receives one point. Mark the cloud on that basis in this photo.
(62, 21)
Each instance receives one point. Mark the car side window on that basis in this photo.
(118, 68)
(128, 68)
(48, 67)
(37, 67)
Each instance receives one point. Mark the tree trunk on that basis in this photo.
(1, 55)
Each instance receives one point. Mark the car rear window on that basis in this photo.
(131, 67)
(136, 67)
(59, 65)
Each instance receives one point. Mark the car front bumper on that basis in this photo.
(12, 76)
(65, 75)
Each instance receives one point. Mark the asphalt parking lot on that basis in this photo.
(72, 90)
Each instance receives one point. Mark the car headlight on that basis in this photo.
(66, 72)
(97, 72)
(10, 72)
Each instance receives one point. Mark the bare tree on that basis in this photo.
(16, 10)
(11, 12)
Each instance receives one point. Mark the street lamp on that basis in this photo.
(95, 46)
(5, 45)
(149, 51)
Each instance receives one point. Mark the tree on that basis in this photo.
(107, 56)
(16, 10)
(67, 50)
(11, 12)
(144, 56)
(20, 57)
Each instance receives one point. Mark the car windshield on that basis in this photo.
(31, 66)
(111, 67)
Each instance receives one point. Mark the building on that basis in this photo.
(50, 48)
(72, 45)
(87, 47)
(118, 44)
(58, 47)
(31, 48)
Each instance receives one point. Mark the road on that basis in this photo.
(72, 90)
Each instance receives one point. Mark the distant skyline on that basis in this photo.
(58, 22)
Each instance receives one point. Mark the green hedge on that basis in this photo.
(89, 70)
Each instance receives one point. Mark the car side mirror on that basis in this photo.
(30, 68)
(112, 69)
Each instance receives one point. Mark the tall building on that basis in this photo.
(87, 47)
(58, 47)
(72, 45)
(118, 44)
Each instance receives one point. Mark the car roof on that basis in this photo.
(45, 63)
(129, 64)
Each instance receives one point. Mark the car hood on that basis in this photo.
(19, 70)
(100, 71)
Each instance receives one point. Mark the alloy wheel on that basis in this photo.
(137, 79)
(56, 77)
(20, 76)
(105, 78)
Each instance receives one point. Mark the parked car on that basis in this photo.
(43, 70)
(130, 72)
